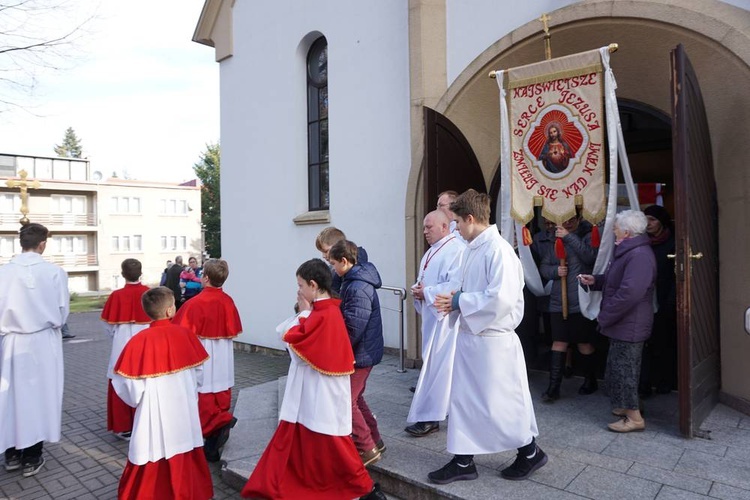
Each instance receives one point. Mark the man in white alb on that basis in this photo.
(34, 305)
(490, 404)
(439, 264)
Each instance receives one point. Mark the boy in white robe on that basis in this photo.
(34, 305)
(490, 404)
(431, 396)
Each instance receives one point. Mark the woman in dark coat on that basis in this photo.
(626, 315)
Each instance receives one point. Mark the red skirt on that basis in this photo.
(184, 476)
(299, 463)
(119, 415)
(213, 408)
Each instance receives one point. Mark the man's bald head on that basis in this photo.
(436, 226)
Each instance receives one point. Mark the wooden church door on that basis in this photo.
(450, 162)
(697, 257)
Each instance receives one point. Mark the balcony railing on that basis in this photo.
(67, 261)
(85, 220)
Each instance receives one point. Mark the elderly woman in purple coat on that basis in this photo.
(626, 315)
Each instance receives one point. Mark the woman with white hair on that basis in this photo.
(626, 315)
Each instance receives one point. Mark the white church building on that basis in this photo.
(358, 113)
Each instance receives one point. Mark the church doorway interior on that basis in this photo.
(648, 140)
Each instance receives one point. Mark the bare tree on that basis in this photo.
(35, 35)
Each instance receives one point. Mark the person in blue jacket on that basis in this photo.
(361, 309)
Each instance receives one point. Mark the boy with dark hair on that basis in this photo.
(213, 317)
(490, 405)
(315, 415)
(34, 304)
(158, 374)
(361, 309)
(124, 317)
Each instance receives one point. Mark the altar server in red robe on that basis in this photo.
(312, 455)
(124, 317)
(158, 373)
(213, 317)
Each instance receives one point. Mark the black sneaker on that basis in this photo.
(12, 461)
(31, 468)
(523, 467)
(375, 494)
(452, 471)
(223, 435)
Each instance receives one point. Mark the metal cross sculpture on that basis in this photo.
(24, 186)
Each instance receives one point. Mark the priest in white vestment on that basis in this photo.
(34, 304)
(490, 405)
(440, 262)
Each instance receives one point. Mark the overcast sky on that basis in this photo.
(139, 93)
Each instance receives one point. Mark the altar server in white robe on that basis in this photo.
(440, 262)
(490, 405)
(34, 304)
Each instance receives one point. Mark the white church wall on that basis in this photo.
(264, 148)
(474, 25)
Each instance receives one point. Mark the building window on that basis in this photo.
(9, 245)
(65, 204)
(125, 205)
(128, 243)
(10, 203)
(317, 125)
(69, 244)
(169, 243)
(173, 207)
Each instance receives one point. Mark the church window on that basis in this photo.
(317, 125)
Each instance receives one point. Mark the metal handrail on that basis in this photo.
(401, 293)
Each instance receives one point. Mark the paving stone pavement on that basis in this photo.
(88, 461)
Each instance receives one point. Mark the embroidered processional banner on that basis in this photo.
(557, 155)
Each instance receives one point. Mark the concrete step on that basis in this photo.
(583, 455)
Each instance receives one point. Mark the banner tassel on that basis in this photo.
(527, 239)
(595, 237)
(559, 249)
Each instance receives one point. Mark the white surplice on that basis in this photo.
(218, 371)
(34, 304)
(322, 403)
(490, 404)
(121, 334)
(166, 418)
(432, 393)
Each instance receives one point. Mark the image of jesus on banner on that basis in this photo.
(555, 154)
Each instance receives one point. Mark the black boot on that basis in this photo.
(590, 384)
(557, 362)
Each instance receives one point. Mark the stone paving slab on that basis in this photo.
(87, 463)
(586, 460)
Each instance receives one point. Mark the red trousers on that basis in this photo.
(213, 408)
(364, 426)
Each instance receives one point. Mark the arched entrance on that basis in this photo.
(646, 34)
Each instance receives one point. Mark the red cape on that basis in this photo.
(124, 306)
(210, 315)
(321, 339)
(161, 349)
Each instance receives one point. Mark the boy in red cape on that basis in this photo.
(124, 317)
(311, 455)
(213, 317)
(158, 373)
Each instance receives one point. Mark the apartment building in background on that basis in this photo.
(97, 221)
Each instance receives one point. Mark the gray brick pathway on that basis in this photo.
(88, 461)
